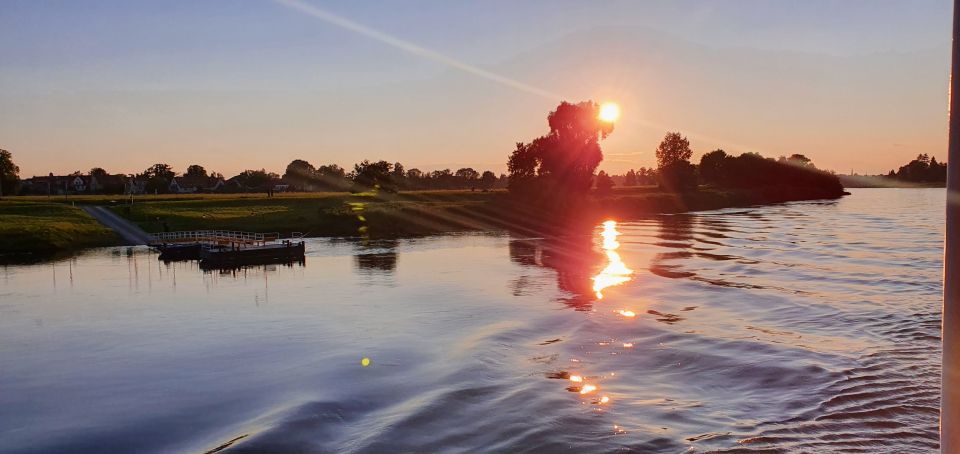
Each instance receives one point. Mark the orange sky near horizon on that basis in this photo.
(340, 90)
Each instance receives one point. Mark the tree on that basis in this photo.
(98, 172)
(488, 180)
(604, 183)
(630, 179)
(300, 174)
(196, 170)
(399, 175)
(561, 163)
(467, 174)
(373, 175)
(674, 148)
(673, 163)
(711, 166)
(256, 179)
(9, 173)
(158, 177)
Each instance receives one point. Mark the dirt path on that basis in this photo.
(130, 233)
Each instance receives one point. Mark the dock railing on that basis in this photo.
(213, 236)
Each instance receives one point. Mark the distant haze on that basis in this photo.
(854, 85)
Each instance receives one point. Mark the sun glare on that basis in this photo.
(609, 112)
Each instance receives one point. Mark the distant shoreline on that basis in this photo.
(48, 225)
(876, 181)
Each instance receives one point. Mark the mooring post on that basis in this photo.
(950, 335)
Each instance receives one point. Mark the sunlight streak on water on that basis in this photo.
(616, 272)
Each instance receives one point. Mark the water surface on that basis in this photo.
(805, 327)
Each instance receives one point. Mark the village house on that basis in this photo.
(76, 184)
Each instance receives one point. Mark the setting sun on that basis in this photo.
(609, 112)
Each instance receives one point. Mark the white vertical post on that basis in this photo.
(950, 375)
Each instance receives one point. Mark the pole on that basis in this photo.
(950, 372)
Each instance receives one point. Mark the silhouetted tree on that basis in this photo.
(751, 170)
(561, 163)
(923, 169)
(467, 174)
(711, 166)
(673, 163)
(672, 149)
(333, 177)
(399, 176)
(258, 180)
(630, 179)
(368, 174)
(158, 177)
(488, 180)
(9, 174)
(196, 171)
(604, 183)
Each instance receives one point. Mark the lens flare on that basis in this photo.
(627, 313)
(576, 378)
(587, 389)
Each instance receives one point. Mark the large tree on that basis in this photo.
(9, 173)
(563, 161)
(673, 163)
(196, 170)
(711, 166)
(158, 177)
(373, 175)
(674, 148)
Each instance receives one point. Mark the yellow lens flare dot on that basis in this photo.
(365, 362)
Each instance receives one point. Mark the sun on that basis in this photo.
(609, 112)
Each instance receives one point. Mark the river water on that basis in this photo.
(804, 327)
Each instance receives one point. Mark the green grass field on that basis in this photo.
(318, 214)
(30, 226)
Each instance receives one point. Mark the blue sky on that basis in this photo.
(254, 83)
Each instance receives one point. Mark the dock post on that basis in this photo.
(950, 335)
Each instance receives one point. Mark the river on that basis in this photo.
(802, 327)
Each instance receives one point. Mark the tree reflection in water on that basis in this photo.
(582, 269)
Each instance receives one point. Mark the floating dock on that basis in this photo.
(224, 248)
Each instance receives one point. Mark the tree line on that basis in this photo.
(562, 163)
(299, 175)
(923, 169)
(558, 165)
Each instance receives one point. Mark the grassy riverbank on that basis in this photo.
(42, 227)
(40, 223)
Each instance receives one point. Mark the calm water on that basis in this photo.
(807, 327)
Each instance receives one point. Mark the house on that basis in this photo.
(77, 184)
(56, 185)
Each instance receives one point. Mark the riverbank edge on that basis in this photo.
(404, 215)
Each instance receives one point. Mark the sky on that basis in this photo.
(247, 84)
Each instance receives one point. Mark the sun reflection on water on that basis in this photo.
(616, 272)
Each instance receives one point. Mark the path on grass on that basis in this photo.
(130, 233)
